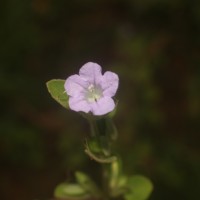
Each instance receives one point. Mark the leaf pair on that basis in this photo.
(135, 187)
(84, 188)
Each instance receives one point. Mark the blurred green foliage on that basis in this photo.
(152, 45)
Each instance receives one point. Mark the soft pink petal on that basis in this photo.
(102, 106)
(75, 85)
(79, 104)
(109, 84)
(91, 72)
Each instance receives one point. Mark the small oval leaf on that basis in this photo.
(71, 191)
(87, 183)
(57, 91)
(139, 188)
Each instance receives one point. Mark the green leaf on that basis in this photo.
(139, 188)
(87, 183)
(94, 146)
(57, 91)
(70, 191)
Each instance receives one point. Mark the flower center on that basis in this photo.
(93, 93)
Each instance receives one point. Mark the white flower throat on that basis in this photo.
(93, 93)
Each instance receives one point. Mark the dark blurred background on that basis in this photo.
(152, 45)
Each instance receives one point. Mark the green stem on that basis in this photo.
(104, 132)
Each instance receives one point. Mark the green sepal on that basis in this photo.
(69, 191)
(105, 145)
(98, 156)
(105, 127)
(111, 130)
(103, 132)
(138, 188)
(57, 91)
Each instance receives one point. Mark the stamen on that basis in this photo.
(93, 93)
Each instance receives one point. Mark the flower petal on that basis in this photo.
(91, 72)
(102, 106)
(109, 84)
(79, 104)
(75, 85)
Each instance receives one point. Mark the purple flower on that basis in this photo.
(90, 91)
